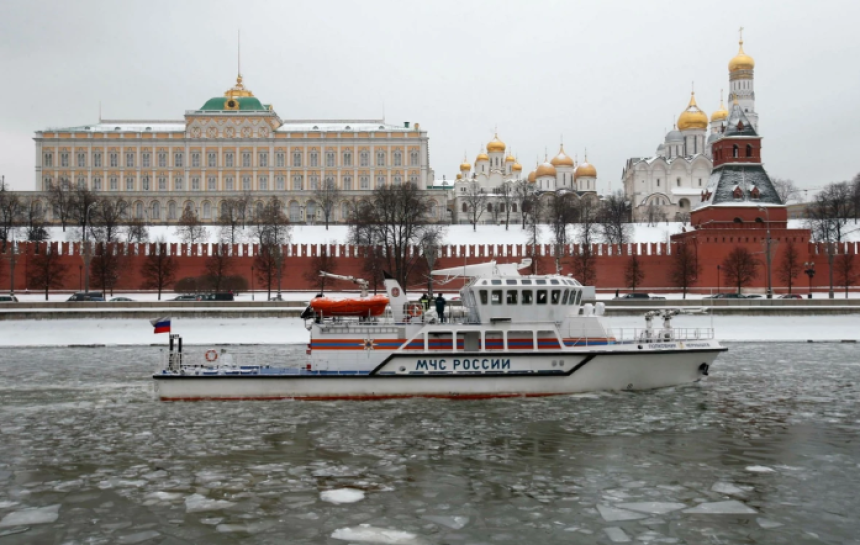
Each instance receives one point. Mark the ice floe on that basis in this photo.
(365, 533)
(342, 495)
(31, 515)
(728, 489)
(760, 469)
(652, 507)
(730, 507)
(138, 537)
(613, 514)
(617, 535)
(768, 524)
(455, 523)
(197, 504)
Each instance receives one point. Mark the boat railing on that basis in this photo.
(216, 358)
(638, 335)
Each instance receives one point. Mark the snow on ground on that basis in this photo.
(225, 331)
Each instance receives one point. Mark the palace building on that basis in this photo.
(233, 144)
(672, 179)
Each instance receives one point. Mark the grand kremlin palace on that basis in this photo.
(233, 144)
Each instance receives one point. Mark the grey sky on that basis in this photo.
(609, 76)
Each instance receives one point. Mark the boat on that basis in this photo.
(355, 307)
(511, 335)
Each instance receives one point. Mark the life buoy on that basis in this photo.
(415, 309)
(211, 355)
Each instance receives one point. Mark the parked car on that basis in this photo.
(86, 296)
(752, 296)
(186, 297)
(637, 297)
(220, 296)
(276, 298)
(725, 296)
(790, 296)
(121, 300)
(8, 299)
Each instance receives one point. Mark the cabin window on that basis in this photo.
(496, 282)
(496, 297)
(511, 282)
(564, 297)
(576, 297)
(483, 297)
(527, 282)
(512, 297)
(556, 296)
(554, 282)
(541, 296)
(527, 297)
(540, 282)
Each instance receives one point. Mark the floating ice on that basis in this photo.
(164, 496)
(652, 507)
(768, 524)
(727, 488)
(342, 495)
(32, 515)
(371, 534)
(7, 504)
(731, 507)
(617, 535)
(455, 523)
(139, 537)
(196, 503)
(760, 469)
(612, 514)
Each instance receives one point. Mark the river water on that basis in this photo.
(765, 451)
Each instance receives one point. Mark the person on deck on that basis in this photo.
(425, 302)
(440, 308)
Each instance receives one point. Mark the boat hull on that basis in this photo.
(587, 371)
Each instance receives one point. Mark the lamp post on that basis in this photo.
(810, 272)
(252, 282)
(718, 279)
(87, 248)
(80, 277)
(767, 249)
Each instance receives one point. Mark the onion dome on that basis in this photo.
(517, 167)
(465, 165)
(585, 169)
(722, 113)
(496, 145)
(482, 157)
(532, 177)
(741, 61)
(562, 159)
(692, 117)
(459, 176)
(510, 159)
(545, 169)
(674, 136)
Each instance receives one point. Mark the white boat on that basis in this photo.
(512, 335)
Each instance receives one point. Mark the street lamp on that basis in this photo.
(252, 282)
(810, 272)
(767, 249)
(718, 279)
(87, 248)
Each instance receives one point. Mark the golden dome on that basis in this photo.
(496, 145)
(517, 167)
(465, 166)
(510, 159)
(545, 169)
(532, 177)
(585, 169)
(238, 90)
(741, 61)
(692, 117)
(482, 157)
(562, 159)
(459, 176)
(720, 115)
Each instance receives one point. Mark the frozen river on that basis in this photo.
(767, 451)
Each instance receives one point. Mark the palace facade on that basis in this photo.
(233, 144)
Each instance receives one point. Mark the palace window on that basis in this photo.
(177, 183)
(228, 159)
(246, 183)
(380, 181)
(344, 210)
(49, 159)
(171, 210)
(297, 182)
(329, 158)
(195, 183)
(279, 183)
(364, 182)
(114, 183)
(212, 159)
(315, 159)
(329, 183)
(129, 183)
(145, 183)
(315, 182)
(658, 182)
(413, 158)
(380, 158)
(347, 183)
(207, 210)
(279, 159)
(212, 183)
(413, 179)
(700, 182)
(398, 158)
(138, 210)
(162, 183)
(195, 159)
(297, 159)
(82, 160)
(263, 183)
(228, 183)
(246, 159)
(97, 159)
(735, 151)
(347, 158)
(364, 158)
(64, 159)
(678, 182)
(145, 160)
(156, 210)
(749, 150)
(97, 184)
(162, 159)
(398, 179)
(178, 159)
(264, 158)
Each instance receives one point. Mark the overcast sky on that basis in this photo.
(607, 76)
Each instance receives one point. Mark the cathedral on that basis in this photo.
(668, 183)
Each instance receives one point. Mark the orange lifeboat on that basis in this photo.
(350, 306)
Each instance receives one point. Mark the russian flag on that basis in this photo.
(161, 325)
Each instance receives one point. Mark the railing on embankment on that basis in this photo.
(150, 310)
(750, 307)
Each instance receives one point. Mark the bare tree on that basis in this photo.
(159, 269)
(136, 231)
(740, 267)
(522, 192)
(614, 219)
(106, 266)
(232, 218)
(218, 265)
(107, 218)
(60, 199)
(653, 214)
(269, 266)
(785, 188)
(685, 267)
(46, 271)
(323, 261)
(81, 203)
(634, 273)
(34, 220)
(11, 212)
(327, 195)
(475, 200)
(790, 266)
(271, 228)
(506, 198)
(533, 211)
(845, 270)
(584, 260)
(190, 230)
(559, 213)
(828, 217)
(855, 196)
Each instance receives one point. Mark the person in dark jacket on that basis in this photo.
(425, 302)
(440, 308)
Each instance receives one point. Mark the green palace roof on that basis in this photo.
(237, 98)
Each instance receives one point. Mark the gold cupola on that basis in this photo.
(465, 166)
(510, 159)
(722, 114)
(517, 167)
(532, 177)
(545, 169)
(585, 169)
(692, 117)
(741, 61)
(496, 145)
(482, 157)
(238, 90)
(562, 159)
